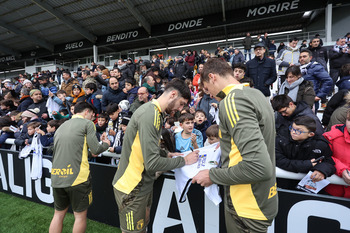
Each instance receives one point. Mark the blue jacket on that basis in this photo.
(344, 83)
(323, 83)
(48, 87)
(239, 58)
(112, 96)
(132, 94)
(94, 101)
(263, 73)
(47, 139)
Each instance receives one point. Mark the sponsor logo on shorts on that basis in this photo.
(62, 172)
(130, 221)
(90, 197)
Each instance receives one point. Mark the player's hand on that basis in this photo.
(111, 149)
(202, 178)
(317, 176)
(192, 157)
(346, 177)
(174, 154)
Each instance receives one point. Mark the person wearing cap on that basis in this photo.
(25, 100)
(262, 70)
(181, 68)
(130, 64)
(28, 84)
(38, 102)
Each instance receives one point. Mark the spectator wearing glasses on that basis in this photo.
(142, 97)
(287, 110)
(298, 152)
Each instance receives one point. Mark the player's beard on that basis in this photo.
(171, 106)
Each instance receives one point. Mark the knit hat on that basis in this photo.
(125, 121)
(26, 81)
(31, 93)
(76, 86)
(31, 112)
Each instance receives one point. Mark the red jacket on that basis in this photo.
(190, 60)
(339, 139)
(195, 81)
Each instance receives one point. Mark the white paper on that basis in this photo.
(307, 185)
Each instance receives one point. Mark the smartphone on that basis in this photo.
(319, 158)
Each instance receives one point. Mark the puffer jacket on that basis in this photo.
(344, 83)
(285, 57)
(263, 73)
(339, 139)
(319, 76)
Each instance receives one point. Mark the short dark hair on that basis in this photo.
(111, 108)
(212, 131)
(280, 101)
(66, 72)
(200, 111)
(180, 86)
(64, 111)
(240, 66)
(91, 86)
(170, 121)
(54, 123)
(87, 72)
(34, 124)
(215, 66)
(186, 117)
(306, 121)
(8, 103)
(61, 92)
(132, 81)
(82, 106)
(43, 77)
(103, 115)
(295, 70)
(345, 70)
(306, 51)
(293, 39)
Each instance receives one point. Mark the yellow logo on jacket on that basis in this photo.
(62, 172)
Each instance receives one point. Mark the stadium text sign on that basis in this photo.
(273, 8)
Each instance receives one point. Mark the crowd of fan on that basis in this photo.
(40, 103)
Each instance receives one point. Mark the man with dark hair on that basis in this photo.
(247, 141)
(287, 57)
(113, 94)
(68, 82)
(181, 68)
(339, 55)
(141, 159)
(319, 53)
(247, 43)
(315, 72)
(70, 174)
(287, 111)
(262, 70)
(90, 91)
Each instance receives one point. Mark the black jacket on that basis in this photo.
(302, 109)
(337, 59)
(263, 73)
(320, 54)
(295, 156)
(41, 105)
(112, 96)
(180, 69)
(24, 104)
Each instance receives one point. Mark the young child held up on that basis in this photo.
(189, 138)
(298, 152)
(201, 123)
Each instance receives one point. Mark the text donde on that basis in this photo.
(273, 8)
(122, 36)
(187, 24)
